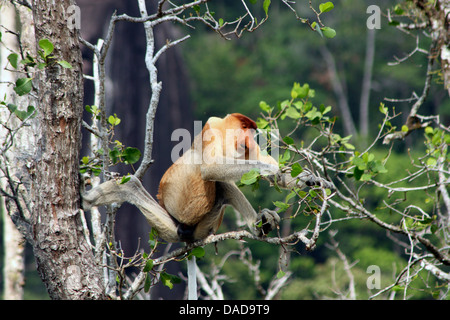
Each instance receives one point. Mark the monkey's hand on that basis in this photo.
(306, 178)
(266, 221)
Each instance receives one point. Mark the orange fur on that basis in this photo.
(182, 191)
(185, 195)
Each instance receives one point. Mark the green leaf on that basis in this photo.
(398, 288)
(394, 23)
(148, 265)
(22, 115)
(168, 279)
(292, 113)
(326, 110)
(319, 30)
(328, 32)
(313, 114)
(250, 177)
(431, 162)
(429, 130)
(405, 128)
(378, 167)
(282, 159)
(383, 109)
(264, 106)
(148, 282)
(266, 5)
(12, 58)
(198, 252)
(300, 91)
(131, 155)
(325, 7)
(46, 46)
(114, 155)
(288, 140)
(23, 86)
(298, 105)
(349, 146)
(436, 294)
(28, 61)
(280, 274)
(357, 173)
(11, 107)
(113, 120)
(398, 10)
(296, 169)
(64, 64)
(359, 163)
(291, 195)
(262, 123)
(282, 205)
(30, 111)
(92, 109)
(125, 179)
(153, 238)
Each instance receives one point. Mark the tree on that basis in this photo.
(50, 217)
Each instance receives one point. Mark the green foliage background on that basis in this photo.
(234, 76)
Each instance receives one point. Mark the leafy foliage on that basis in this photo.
(117, 152)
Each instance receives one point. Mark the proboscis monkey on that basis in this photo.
(194, 191)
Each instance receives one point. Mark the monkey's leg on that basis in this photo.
(133, 192)
(260, 224)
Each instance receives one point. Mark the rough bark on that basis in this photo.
(64, 259)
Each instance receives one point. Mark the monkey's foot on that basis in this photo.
(266, 221)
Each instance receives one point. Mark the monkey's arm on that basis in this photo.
(222, 171)
(306, 178)
(233, 171)
(133, 192)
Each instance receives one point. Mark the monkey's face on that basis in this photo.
(245, 144)
(239, 136)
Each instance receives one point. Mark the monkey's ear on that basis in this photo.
(246, 122)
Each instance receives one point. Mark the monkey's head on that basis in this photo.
(242, 132)
(232, 137)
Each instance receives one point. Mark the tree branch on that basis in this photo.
(412, 122)
(180, 253)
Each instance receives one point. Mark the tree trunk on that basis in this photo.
(14, 263)
(342, 101)
(366, 84)
(13, 240)
(64, 258)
